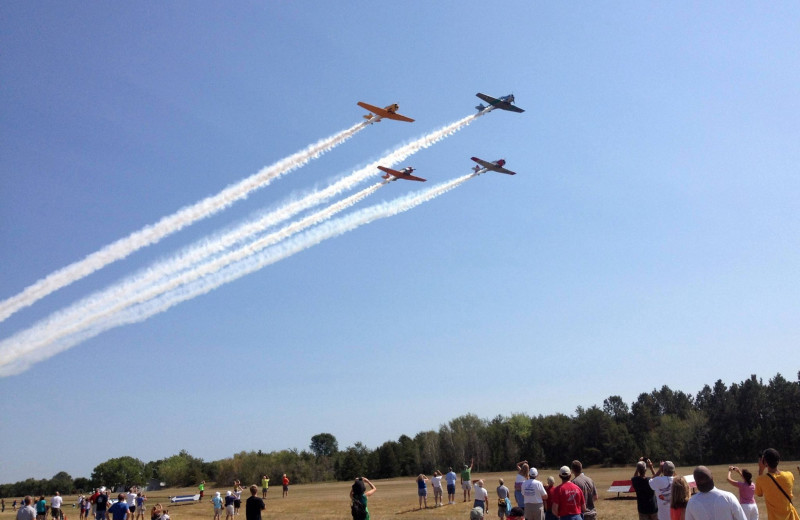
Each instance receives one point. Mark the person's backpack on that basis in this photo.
(358, 509)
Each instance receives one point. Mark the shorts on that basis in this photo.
(237, 504)
(519, 498)
(437, 492)
(56, 512)
(479, 503)
(750, 511)
(534, 511)
(451, 489)
(422, 492)
(132, 509)
(264, 490)
(100, 515)
(466, 486)
(286, 487)
(229, 509)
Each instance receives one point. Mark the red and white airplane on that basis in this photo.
(376, 113)
(496, 166)
(405, 174)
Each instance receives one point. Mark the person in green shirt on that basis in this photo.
(466, 482)
(264, 486)
(202, 488)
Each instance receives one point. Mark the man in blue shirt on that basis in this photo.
(451, 478)
(120, 510)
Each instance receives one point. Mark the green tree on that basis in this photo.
(121, 471)
(324, 445)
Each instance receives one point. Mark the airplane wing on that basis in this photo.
(400, 175)
(492, 166)
(499, 103)
(383, 113)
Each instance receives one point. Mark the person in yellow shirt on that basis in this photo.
(264, 486)
(775, 486)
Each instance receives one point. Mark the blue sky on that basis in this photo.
(649, 238)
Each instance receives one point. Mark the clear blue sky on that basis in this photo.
(649, 238)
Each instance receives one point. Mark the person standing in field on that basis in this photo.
(422, 490)
(216, 500)
(534, 495)
(120, 510)
(285, 482)
(436, 483)
(646, 503)
(502, 499)
(466, 482)
(522, 476)
(26, 510)
(264, 486)
(229, 509)
(358, 498)
(548, 502)
(661, 484)
(237, 496)
(451, 478)
(679, 498)
(140, 500)
(747, 491)
(41, 508)
(587, 486)
(568, 501)
(55, 505)
(711, 503)
(131, 498)
(202, 488)
(775, 486)
(481, 495)
(254, 505)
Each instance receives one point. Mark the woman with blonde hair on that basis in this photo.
(522, 475)
(422, 490)
(680, 497)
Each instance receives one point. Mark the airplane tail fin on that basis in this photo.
(480, 108)
(386, 176)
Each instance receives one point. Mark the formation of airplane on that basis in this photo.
(405, 174)
(390, 112)
(485, 166)
(377, 113)
(504, 103)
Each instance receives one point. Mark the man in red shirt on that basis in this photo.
(568, 501)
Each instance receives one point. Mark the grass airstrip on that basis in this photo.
(397, 498)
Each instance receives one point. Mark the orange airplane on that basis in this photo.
(405, 174)
(376, 114)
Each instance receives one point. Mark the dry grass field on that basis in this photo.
(397, 498)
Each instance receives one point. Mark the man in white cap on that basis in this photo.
(662, 485)
(568, 502)
(712, 503)
(534, 494)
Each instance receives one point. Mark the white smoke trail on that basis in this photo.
(170, 224)
(110, 301)
(124, 291)
(15, 358)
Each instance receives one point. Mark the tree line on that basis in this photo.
(720, 425)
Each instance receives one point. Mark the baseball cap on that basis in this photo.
(564, 471)
(533, 472)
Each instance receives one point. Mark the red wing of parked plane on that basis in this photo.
(404, 174)
(496, 166)
(378, 113)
